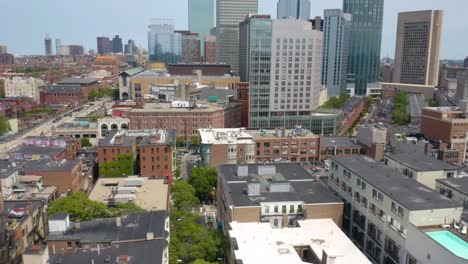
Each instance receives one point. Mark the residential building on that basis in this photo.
(286, 145)
(125, 82)
(351, 113)
(20, 86)
(163, 43)
(32, 186)
(201, 20)
(131, 48)
(8, 177)
(48, 148)
(116, 143)
(109, 234)
(276, 101)
(335, 51)
(421, 167)
(382, 209)
(210, 49)
(184, 118)
(86, 84)
(455, 189)
(117, 46)
(313, 241)
(67, 175)
(157, 155)
(417, 50)
(190, 43)
(229, 13)
(226, 146)
(187, 69)
(57, 94)
(48, 45)
(104, 45)
(148, 194)
(340, 146)
(242, 90)
(279, 194)
(365, 41)
(298, 9)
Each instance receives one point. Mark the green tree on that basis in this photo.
(201, 261)
(183, 196)
(177, 171)
(195, 141)
(400, 113)
(4, 125)
(336, 102)
(204, 180)
(180, 141)
(95, 118)
(85, 142)
(122, 167)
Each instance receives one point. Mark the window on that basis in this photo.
(267, 209)
(69, 244)
(276, 209)
(283, 209)
(275, 222)
(291, 208)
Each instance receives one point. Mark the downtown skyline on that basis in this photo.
(86, 23)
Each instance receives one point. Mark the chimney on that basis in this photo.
(77, 225)
(118, 222)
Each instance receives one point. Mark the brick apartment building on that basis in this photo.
(86, 84)
(279, 194)
(115, 144)
(67, 175)
(71, 145)
(63, 94)
(340, 146)
(210, 49)
(242, 90)
(185, 117)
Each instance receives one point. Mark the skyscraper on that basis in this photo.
(201, 19)
(104, 45)
(190, 46)
(365, 41)
(418, 47)
(335, 51)
(163, 43)
(48, 45)
(117, 46)
(130, 47)
(282, 61)
(228, 16)
(210, 49)
(3, 49)
(299, 9)
(465, 63)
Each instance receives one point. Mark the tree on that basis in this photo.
(4, 125)
(400, 113)
(195, 141)
(85, 142)
(201, 261)
(122, 167)
(336, 102)
(204, 180)
(177, 171)
(81, 208)
(180, 141)
(183, 196)
(95, 118)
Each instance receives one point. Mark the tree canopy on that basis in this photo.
(203, 179)
(122, 167)
(103, 92)
(183, 196)
(336, 102)
(400, 114)
(85, 142)
(4, 125)
(195, 141)
(81, 208)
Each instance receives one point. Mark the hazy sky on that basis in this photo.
(24, 23)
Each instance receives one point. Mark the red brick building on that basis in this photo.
(156, 155)
(86, 84)
(63, 94)
(243, 97)
(210, 49)
(351, 112)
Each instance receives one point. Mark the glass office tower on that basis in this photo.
(201, 20)
(365, 41)
(299, 9)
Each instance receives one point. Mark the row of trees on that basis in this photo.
(104, 92)
(81, 208)
(400, 114)
(193, 141)
(336, 102)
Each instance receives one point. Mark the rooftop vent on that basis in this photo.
(266, 170)
(253, 189)
(278, 187)
(242, 171)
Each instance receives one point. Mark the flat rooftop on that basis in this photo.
(6, 168)
(225, 136)
(36, 150)
(151, 196)
(459, 184)
(167, 107)
(296, 184)
(407, 192)
(297, 133)
(49, 165)
(260, 243)
(419, 161)
(80, 81)
(340, 142)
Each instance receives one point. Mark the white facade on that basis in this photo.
(59, 225)
(19, 86)
(296, 66)
(299, 9)
(7, 183)
(111, 124)
(335, 51)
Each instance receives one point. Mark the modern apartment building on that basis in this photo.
(20, 86)
(455, 189)
(283, 69)
(417, 50)
(201, 20)
(229, 13)
(335, 51)
(298, 9)
(280, 194)
(383, 208)
(365, 42)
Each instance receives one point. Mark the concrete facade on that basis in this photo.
(18, 86)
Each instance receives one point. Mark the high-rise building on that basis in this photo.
(48, 45)
(282, 61)
(76, 50)
(163, 43)
(465, 63)
(201, 19)
(117, 46)
(335, 51)
(104, 45)
(418, 47)
(3, 49)
(190, 46)
(365, 41)
(210, 49)
(299, 9)
(131, 47)
(228, 16)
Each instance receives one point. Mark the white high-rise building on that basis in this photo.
(20, 86)
(298, 9)
(335, 51)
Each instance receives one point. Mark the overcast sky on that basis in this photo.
(24, 23)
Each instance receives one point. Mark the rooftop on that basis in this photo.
(58, 88)
(225, 136)
(49, 165)
(168, 107)
(340, 142)
(280, 182)
(110, 140)
(133, 71)
(260, 243)
(419, 161)
(79, 81)
(459, 184)
(152, 195)
(17, 209)
(407, 192)
(297, 132)
(161, 137)
(141, 252)
(6, 168)
(30, 152)
(133, 226)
